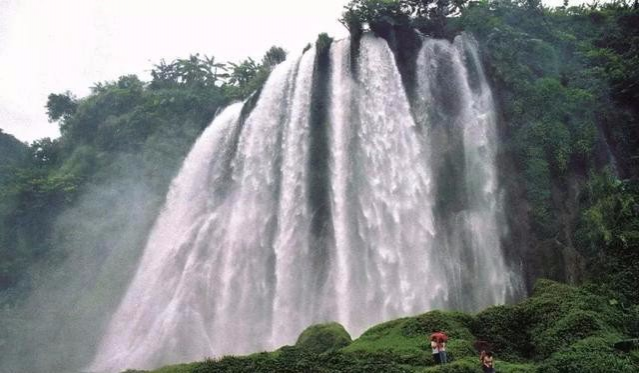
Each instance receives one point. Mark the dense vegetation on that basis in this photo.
(567, 79)
(124, 129)
(567, 85)
(560, 328)
(75, 211)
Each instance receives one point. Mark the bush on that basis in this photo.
(506, 367)
(593, 354)
(556, 315)
(551, 301)
(574, 326)
(460, 366)
(505, 329)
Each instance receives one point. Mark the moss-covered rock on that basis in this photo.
(323, 338)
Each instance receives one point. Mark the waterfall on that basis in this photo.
(454, 104)
(381, 193)
(411, 221)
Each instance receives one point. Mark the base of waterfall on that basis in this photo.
(559, 329)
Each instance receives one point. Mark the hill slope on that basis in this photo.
(560, 328)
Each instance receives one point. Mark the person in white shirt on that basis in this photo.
(435, 347)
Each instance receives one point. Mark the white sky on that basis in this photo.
(51, 46)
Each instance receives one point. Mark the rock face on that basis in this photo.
(323, 338)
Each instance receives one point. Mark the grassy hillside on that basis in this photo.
(560, 328)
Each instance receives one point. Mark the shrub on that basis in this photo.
(593, 354)
(505, 329)
(460, 366)
(552, 301)
(574, 326)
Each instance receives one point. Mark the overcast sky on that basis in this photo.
(51, 46)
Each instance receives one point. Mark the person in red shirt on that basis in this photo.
(438, 344)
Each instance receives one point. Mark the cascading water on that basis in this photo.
(410, 220)
(381, 193)
(454, 103)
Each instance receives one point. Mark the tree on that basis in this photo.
(243, 72)
(429, 16)
(212, 69)
(273, 56)
(373, 13)
(61, 105)
(45, 152)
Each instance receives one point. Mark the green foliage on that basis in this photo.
(552, 302)
(455, 324)
(556, 72)
(373, 13)
(353, 22)
(323, 338)
(610, 217)
(556, 315)
(13, 154)
(294, 360)
(273, 56)
(248, 76)
(243, 72)
(178, 368)
(509, 367)
(61, 105)
(406, 340)
(576, 325)
(560, 329)
(593, 354)
(501, 327)
(126, 130)
(428, 16)
(323, 42)
(467, 365)
(28, 206)
(609, 233)
(194, 71)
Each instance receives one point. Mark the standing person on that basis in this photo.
(487, 362)
(438, 343)
(435, 347)
(441, 344)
